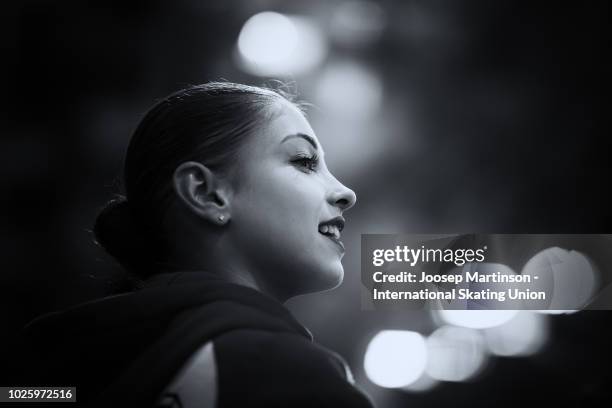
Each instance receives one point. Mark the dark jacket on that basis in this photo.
(133, 349)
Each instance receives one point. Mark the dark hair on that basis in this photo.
(206, 123)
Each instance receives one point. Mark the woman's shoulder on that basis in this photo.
(280, 350)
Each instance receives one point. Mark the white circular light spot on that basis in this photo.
(477, 319)
(423, 384)
(274, 44)
(395, 358)
(454, 353)
(349, 90)
(523, 335)
(479, 314)
(567, 276)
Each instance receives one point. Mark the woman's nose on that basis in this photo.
(342, 197)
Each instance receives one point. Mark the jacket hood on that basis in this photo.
(143, 337)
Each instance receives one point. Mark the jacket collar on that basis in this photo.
(175, 280)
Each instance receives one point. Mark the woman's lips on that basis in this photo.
(335, 241)
(331, 229)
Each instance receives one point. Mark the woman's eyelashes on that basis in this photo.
(306, 162)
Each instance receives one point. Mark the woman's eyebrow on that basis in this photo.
(309, 139)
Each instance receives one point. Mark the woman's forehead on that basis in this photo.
(288, 121)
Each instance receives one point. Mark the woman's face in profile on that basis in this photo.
(286, 208)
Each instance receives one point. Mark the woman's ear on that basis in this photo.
(202, 192)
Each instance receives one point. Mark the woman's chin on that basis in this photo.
(331, 276)
(339, 277)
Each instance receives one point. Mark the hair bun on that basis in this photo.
(117, 231)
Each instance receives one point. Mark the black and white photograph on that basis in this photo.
(339, 203)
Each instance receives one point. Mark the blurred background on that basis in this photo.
(444, 116)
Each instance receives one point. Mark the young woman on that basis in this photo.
(229, 210)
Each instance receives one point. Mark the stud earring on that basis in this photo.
(221, 218)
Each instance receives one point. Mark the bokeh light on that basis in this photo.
(423, 384)
(476, 319)
(271, 43)
(523, 335)
(476, 314)
(395, 358)
(567, 275)
(349, 90)
(455, 353)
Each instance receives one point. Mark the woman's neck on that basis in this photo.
(227, 271)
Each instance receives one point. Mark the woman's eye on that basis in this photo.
(308, 163)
